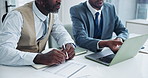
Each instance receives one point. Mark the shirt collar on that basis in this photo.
(38, 13)
(93, 11)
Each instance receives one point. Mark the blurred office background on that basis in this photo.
(126, 9)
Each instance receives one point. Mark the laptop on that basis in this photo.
(129, 49)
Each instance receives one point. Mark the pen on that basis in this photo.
(67, 57)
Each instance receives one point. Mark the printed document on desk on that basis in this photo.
(79, 51)
(66, 69)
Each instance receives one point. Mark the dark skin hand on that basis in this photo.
(112, 44)
(55, 57)
(118, 39)
(70, 50)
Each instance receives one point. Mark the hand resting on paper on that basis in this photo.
(55, 57)
(51, 58)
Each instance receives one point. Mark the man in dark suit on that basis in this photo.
(94, 32)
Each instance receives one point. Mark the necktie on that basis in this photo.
(97, 28)
(45, 28)
(44, 24)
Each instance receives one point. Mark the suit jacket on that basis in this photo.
(83, 25)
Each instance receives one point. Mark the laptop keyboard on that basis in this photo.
(107, 59)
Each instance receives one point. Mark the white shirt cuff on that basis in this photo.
(98, 47)
(29, 57)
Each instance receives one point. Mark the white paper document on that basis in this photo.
(65, 70)
(144, 49)
(39, 66)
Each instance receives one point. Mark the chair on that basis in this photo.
(52, 43)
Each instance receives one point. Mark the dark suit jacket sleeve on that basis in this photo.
(119, 28)
(80, 31)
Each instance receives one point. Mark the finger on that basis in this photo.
(118, 43)
(60, 52)
(71, 53)
(115, 49)
(68, 46)
(67, 50)
(59, 60)
(58, 55)
(63, 48)
(61, 55)
(54, 57)
(54, 63)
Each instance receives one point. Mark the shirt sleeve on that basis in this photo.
(59, 33)
(10, 33)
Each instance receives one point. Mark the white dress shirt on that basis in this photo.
(10, 33)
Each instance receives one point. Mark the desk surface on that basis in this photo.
(136, 67)
(138, 21)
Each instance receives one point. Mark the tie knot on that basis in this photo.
(97, 14)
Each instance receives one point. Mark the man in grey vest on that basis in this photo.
(26, 30)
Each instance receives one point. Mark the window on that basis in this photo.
(17, 3)
(142, 9)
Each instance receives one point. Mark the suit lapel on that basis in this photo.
(104, 16)
(91, 23)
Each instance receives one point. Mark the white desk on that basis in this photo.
(137, 26)
(136, 67)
